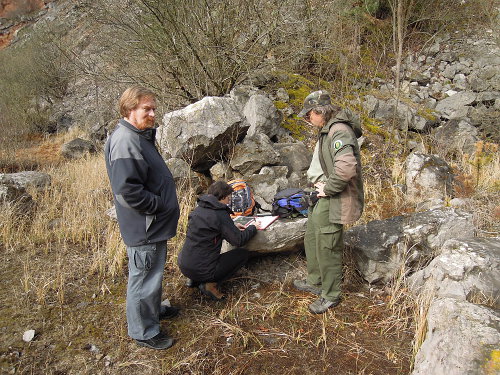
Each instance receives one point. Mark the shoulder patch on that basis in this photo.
(338, 144)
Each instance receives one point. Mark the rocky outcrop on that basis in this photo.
(236, 137)
(262, 116)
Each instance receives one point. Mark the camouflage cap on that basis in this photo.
(315, 99)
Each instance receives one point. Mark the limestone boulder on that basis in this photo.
(457, 135)
(267, 183)
(295, 156)
(457, 105)
(284, 235)
(221, 171)
(382, 247)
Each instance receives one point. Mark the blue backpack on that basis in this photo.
(290, 202)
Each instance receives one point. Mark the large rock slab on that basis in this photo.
(203, 132)
(382, 247)
(466, 269)
(461, 339)
(283, 235)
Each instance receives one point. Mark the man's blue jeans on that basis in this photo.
(145, 274)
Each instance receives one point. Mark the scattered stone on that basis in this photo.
(26, 179)
(82, 305)
(28, 335)
(77, 148)
(111, 212)
(107, 361)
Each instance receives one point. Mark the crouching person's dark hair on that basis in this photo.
(220, 189)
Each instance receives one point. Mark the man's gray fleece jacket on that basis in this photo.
(143, 187)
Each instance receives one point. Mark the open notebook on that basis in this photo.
(261, 222)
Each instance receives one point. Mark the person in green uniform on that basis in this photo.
(335, 171)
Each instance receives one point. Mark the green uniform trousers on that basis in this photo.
(324, 246)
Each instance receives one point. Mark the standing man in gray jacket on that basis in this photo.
(147, 210)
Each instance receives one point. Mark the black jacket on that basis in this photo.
(143, 187)
(209, 224)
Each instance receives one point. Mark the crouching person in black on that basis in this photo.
(210, 222)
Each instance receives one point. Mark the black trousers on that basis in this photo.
(229, 263)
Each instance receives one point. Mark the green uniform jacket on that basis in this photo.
(340, 153)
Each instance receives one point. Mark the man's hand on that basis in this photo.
(240, 226)
(319, 188)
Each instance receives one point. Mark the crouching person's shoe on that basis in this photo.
(210, 290)
(321, 305)
(305, 287)
(159, 342)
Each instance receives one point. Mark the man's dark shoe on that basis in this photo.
(159, 342)
(305, 287)
(167, 312)
(321, 305)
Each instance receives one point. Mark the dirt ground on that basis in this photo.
(263, 327)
